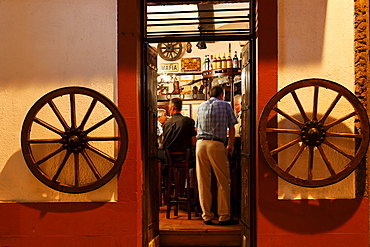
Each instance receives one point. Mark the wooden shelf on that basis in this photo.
(221, 72)
(166, 97)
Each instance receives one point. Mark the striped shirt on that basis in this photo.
(213, 118)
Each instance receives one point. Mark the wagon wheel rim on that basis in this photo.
(79, 158)
(313, 134)
(170, 51)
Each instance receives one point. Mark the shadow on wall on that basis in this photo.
(302, 28)
(307, 216)
(17, 184)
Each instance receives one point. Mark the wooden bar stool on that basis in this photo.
(176, 162)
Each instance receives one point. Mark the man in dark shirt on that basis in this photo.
(179, 135)
(178, 132)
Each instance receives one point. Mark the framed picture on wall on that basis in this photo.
(186, 110)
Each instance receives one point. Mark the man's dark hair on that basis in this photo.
(177, 102)
(216, 91)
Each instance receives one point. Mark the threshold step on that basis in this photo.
(200, 238)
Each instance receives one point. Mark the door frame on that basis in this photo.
(252, 225)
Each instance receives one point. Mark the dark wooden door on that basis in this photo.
(248, 142)
(149, 139)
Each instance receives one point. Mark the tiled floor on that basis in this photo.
(181, 222)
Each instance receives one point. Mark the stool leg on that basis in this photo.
(176, 191)
(188, 199)
(168, 197)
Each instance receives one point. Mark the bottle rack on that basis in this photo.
(221, 72)
(208, 75)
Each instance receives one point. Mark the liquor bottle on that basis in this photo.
(211, 62)
(206, 63)
(214, 62)
(219, 61)
(229, 62)
(224, 62)
(235, 60)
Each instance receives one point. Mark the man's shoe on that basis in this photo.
(208, 222)
(228, 222)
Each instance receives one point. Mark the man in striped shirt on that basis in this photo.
(214, 117)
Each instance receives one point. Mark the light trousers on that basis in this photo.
(212, 155)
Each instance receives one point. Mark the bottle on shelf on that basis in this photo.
(229, 63)
(211, 62)
(235, 60)
(206, 63)
(224, 62)
(214, 62)
(219, 62)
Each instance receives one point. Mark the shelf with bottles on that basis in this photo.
(221, 72)
(167, 97)
(217, 65)
(187, 89)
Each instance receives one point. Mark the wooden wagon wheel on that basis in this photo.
(170, 51)
(74, 139)
(316, 149)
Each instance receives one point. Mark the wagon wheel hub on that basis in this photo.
(169, 48)
(74, 140)
(313, 133)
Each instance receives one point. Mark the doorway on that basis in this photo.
(158, 87)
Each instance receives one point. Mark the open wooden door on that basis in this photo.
(248, 145)
(149, 134)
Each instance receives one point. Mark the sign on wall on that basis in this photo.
(191, 64)
(169, 67)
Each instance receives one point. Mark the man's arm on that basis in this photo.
(230, 143)
(194, 140)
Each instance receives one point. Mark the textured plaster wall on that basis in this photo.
(315, 40)
(45, 45)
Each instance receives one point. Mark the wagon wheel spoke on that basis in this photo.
(285, 146)
(287, 116)
(58, 114)
(299, 105)
(77, 168)
(315, 103)
(330, 109)
(277, 130)
(310, 161)
(47, 157)
(99, 124)
(330, 144)
(74, 141)
(100, 153)
(338, 121)
(73, 110)
(61, 167)
(48, 126)
(295, 158)
(41, 141)
(346, 135)
(88, 113)
(113, 138)
(91, 165)
(326, 161)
